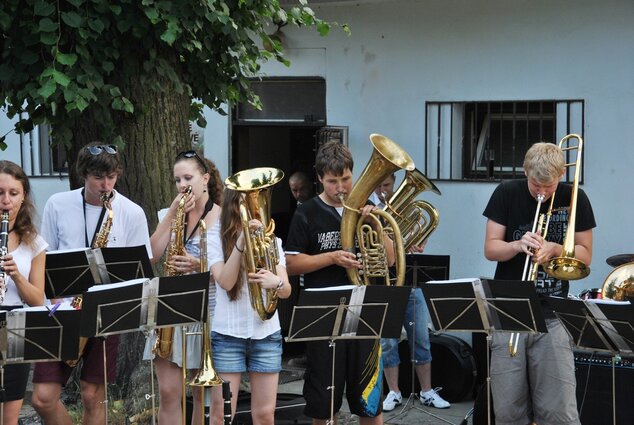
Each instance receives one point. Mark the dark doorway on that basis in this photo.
(289, 148)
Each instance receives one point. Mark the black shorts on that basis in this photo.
(358, 368)
(92, 366)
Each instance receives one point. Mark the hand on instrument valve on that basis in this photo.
(345, 259)
(417, 249)
(546, 252)
(530, 243)
(185, 263)
(265, 278)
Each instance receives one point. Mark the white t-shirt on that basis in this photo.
(64, 226)
(237, 318)
(23, 255)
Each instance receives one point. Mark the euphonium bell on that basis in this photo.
(409, 214)
(386, 158)
(260, 251)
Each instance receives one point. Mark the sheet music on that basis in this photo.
(106, 286)
(334, 288)
(462, 280)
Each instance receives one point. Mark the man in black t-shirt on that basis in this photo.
(538, 384)
(314, 249)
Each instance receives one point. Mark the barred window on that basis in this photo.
(488, 140)
(38, 155)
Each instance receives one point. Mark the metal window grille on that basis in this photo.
(483, 141)
(39, 157)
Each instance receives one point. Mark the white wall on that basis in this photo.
(404, 53)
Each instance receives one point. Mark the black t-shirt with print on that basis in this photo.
(512, 206)
(315, 229)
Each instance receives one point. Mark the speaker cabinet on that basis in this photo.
(594, 388)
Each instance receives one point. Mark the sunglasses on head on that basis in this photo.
(192, 154)
(96, 150)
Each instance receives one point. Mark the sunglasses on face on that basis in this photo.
(192, 154)
(96, 150)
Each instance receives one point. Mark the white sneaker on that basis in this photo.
(392, 400)
(431, 398)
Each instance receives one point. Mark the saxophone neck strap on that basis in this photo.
(208, 206)
(98, 226)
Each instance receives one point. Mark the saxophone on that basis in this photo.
(164, 336)
(101, 241)
(4, 250)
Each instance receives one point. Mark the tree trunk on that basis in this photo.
(152, 141)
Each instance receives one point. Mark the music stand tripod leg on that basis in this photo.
(105, 379)
(333, 347)
(413, 396)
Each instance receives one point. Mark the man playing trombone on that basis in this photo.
(533, 379)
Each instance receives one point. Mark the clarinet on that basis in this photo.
(226, 396)
(4, 250)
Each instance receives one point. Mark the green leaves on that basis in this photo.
(42, 8)
(66, 59)
(72, 19)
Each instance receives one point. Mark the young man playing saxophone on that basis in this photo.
(72, 220)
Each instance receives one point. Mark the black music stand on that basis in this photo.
(34, 335)
(598, 325)
(144, 304)
(484, 306)
(70, 273)
(421, 268)
(347, 312)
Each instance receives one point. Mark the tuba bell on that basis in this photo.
(260, 250)
(386, 158)
(619, 285)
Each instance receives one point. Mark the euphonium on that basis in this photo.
(409, 213)
(386, 158)
(260, 250)
(100, 241)
(164, 336)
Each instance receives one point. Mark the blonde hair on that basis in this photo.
(544, 162)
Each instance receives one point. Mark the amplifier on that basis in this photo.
(594, 388)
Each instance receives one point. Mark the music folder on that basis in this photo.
(143, 304)
(484, 305)
(349, 312)
(599, 325)
(33, 334)
(72, 272)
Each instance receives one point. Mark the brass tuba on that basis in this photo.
(386, 158)
(619, 285)
(164, 336)
(416, 219)
(260, 250)
(567, 267)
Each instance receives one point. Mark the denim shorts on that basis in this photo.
(416, 308)
(233, 355)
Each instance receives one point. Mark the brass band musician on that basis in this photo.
(99, 165)
(538, 383)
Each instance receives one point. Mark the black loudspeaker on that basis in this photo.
(594, 388)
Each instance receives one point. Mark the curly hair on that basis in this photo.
(205, 165)
(230, 228)
(24, 225)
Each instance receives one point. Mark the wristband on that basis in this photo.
(279, 286)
